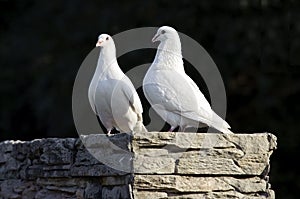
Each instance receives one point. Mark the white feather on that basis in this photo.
(112, 95)
(172, 93)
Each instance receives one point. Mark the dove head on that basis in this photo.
(164, 33)
(104, 40)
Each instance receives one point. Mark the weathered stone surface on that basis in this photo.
(157, 164)
(194, 153)
(114, 151)
(57, 151)
(199, 184)
(83, 158)
(144, 164)
(61, 168)
(94, 170)
(193, 165)
(116, 180)
(251, 143)
(117, 142)
(216, 162)
(117, 192)
(207, 195)
(150, 194)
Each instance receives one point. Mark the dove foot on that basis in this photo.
(182, 129)
(108, 132)
(172, 129)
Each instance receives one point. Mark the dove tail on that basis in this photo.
(220, 124)
(227, 131)
(143, 128)
(139, 127)
(223, 130)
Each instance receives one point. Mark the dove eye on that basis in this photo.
(163, 32)
(107, 38)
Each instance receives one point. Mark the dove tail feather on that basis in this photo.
(220, 124)
(139, 127)
(227, 131)
(223, 129)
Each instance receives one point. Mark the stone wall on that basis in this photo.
(150, 165)
(60, 168)
(196, 165)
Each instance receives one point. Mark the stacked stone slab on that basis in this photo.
(61, 168)
(146, 165)
(196, 165)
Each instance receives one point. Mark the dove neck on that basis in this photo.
(172, 45)
(169, 55)
(107, 56)
(107, 66)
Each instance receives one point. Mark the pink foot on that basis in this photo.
(172, 129)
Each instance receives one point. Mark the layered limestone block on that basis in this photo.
(197, 165)
(143, 165)
(195, 153)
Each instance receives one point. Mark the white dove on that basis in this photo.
(111, 94)
(172, 93)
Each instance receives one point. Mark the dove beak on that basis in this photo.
(154, 39)
(100, 41)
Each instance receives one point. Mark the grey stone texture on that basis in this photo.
(62, 168)
(144, 165)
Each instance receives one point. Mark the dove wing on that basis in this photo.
(132, 96)
(175, 92)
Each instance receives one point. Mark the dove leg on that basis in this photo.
(181, 128)
(139, 117)
(108, 132)
(172, 128)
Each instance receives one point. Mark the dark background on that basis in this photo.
(255, 44)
